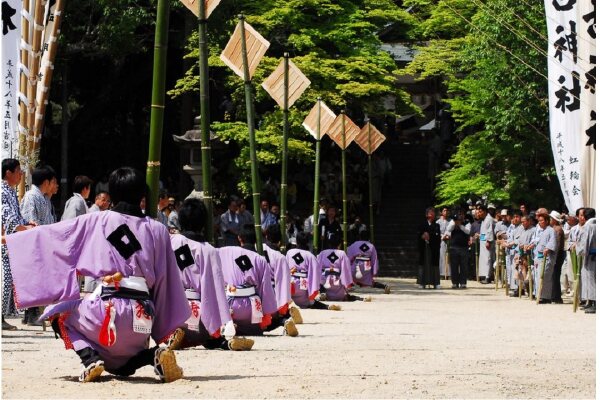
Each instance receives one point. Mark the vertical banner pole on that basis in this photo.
(344, 198)
(371, 220)
(251, 140)
(316, 233)
(284, 155)
(157, 109)
(205, 122)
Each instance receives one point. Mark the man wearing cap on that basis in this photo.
(487, 244)
(555, 223)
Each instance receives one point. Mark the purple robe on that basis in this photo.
(281, 275)
(201, 271)
(45, 262)
(304, 290)
(363, 256)
(242, 267)
(335, 261)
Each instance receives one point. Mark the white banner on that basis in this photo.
(11, 38)
(572, 84)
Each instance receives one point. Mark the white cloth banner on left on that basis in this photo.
(11, 38)
(571, 94)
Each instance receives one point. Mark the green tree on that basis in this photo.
(494, 65)
(336, 46)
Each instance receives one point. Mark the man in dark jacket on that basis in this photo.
(429, 251)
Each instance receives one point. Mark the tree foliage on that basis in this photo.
(494, 65)
(336, 46)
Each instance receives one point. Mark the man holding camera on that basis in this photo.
(457, 233)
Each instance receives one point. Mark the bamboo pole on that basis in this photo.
(506, 283)
(34, 69)
(251, 139)
(205, 121)
(541, 284)
(158, 105)
(284, 153)
(24, 103)
(496, 272)
(316, 233)
(575, 264)
(371, 219)
(43, 90)
(477, 260)
(344, 198)
(530, 271)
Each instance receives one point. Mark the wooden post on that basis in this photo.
(370, 166)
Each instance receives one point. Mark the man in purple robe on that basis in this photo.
(336, 273)
(306, 275)
(250, 292)
(140, 294)
(364, 263)
(204, 286)
(281, 277)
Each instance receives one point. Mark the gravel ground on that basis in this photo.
(473, 343)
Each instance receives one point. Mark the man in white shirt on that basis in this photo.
(76, 205)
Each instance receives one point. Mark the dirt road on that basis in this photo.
(473, 343)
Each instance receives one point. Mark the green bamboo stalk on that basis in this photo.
(497, 267)
(316, 233)
(344, 198)
(251, 139)
(530, 271)
(371, 219)
(477, 260)
(205, 121)
(284, 153)
(158, 104)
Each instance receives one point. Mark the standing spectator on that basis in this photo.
(276, 212)
(266, 217)
(487, 244)
(546, 248)
(571, 229)
(586, 247)
(35, 205)
(101, 203)
(12, 221)
(163, 208)
(230, 224)
(173, 216)
(330, 229)
(429, 253)
(555, 223)
(76, 206)
(244, 215)
(457, 235)
(309, 221)
(443, 223)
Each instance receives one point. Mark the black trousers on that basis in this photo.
(459, 264)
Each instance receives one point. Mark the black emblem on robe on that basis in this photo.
(298, 259)
(124, 241)
(244, 263)
(333, 257)
(184, 257)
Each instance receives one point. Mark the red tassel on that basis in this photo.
(107, 335)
